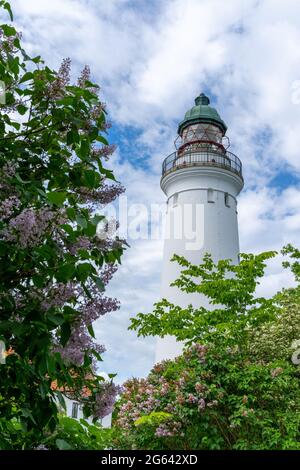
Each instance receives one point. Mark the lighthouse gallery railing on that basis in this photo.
(204, 156)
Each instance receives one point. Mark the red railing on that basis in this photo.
(202, 156)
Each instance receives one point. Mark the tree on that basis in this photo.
(231, 293)
(53, 267)
(236, 386)
(279, 340)
(211, 399)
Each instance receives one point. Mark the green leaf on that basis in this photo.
(84, 270)
(90, 178)
(10, 98)
(51, 366)
(84, 149)
(65, 333)
(71, 213)
(90, 230)
(37, 59)
(87, 361)
(70, 312)
(17, 43)
(63, 445)
(81, 221)
(61, 399)
(56, 319)
(26, 77)
(97, 218)
(112, 376)
(99, 283)
(65, 272)
(7, 7)
(108, 173)
(41, 192)
(97, 356)
(91, 330)
(102, 139)
(57, 197)
(14, 65)
(73, 137)
(18, 177)
(21, 109)
(8, 30)
(16, 125)
(27, 414)
(68, 228)
(38, 281)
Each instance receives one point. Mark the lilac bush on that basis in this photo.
(54, 268)
(218, 399)
(236, 385)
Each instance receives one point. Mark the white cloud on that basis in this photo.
(152, 65)
(152, 59)
(268, 219)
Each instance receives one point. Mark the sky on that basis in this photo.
(151, 59)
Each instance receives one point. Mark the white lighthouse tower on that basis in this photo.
(201, 180)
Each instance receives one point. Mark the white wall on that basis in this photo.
(215, 226)
(105, 422)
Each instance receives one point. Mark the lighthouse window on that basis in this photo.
(210, 195)
(75, 410)
(226, 199)
(175, 199)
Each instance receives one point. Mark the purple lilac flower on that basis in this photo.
(79, 343)
(105, 399)
(201, 404)
(8, 207)
(59, 295)
(28, 227)
(192, 399)
(82, 243)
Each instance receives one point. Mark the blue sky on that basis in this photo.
(151, 58)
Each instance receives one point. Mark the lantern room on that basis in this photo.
(202, 141)
(203, 125)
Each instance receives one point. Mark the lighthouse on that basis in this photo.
(201, 181)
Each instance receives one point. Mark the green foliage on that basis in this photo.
(153, 419)
(6, 7)
(276, 340)
(230, 290)
(237, 386)
(71, 434)
(214, 399)
(145, 427)
(293, 263)
(50, 167)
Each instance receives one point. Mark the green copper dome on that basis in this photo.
(202, 112)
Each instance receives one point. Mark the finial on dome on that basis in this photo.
(202, 99)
